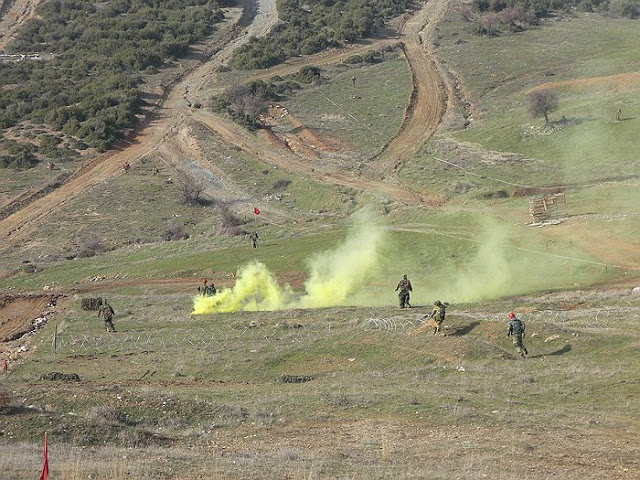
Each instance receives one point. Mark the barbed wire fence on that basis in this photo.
(606, 317)
(277, 337)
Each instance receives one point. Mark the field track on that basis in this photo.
(166, 132)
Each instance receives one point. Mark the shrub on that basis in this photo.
(174, 232)
(281, 184)
(107, 415)
(91, 246)
(230, 223)
(308, 74)
(624, 8)
(190, 189)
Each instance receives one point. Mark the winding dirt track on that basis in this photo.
(165, 132)
(429, 96)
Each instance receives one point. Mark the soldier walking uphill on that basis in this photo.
(404, 288)
(106, 313)
(438, 314)
(517, 331)
(254, 239)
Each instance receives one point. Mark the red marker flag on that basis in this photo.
(256, 211)
(45, 461)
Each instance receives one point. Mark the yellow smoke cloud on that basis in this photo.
(255, 290)
(489, 273)
(338, 274)
(334, 277)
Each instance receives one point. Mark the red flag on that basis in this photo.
(256, 211)
(45, 461)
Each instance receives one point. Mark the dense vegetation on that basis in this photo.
(616, 8)
(89, 88)
(311, 26)
(492, 17)
(244, 103)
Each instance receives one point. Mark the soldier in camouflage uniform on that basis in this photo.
(106, 312)
(207, 289)
(517, 331)
(438, 314)
(405, 288)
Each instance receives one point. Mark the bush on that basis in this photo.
(190, 189)
(624, 8)
(230, 224)
(281, 184)
(92, 246)
(308, 74)
(353, 59)
(107, 415)
(174, 232)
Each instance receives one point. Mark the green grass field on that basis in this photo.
(224, 393)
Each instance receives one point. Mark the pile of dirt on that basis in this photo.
(21, 315)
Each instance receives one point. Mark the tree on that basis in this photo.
(190, 189)
(541, 102)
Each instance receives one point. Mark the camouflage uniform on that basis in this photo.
(207, 290)
(438, 314)
(404, 286)
(106, 312)
(517, 331)
(254, 239)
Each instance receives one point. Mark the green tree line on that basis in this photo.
(541, 8)
(310, 26)
(90, 88)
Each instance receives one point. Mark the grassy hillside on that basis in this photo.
(348, 389)
(330, 392)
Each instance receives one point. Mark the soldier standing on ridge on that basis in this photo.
(438, 313)
(405, 288)
(106, 312)
(517, 331)
(254, 239)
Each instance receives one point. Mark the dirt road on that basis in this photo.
(428, 100)
(166, 131)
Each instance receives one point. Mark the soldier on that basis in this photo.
(516, 330)
(438, 313)
(404, 287)
(106, 312)
(353, 81)
(254, 239)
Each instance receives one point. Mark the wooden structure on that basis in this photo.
(547, 207)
